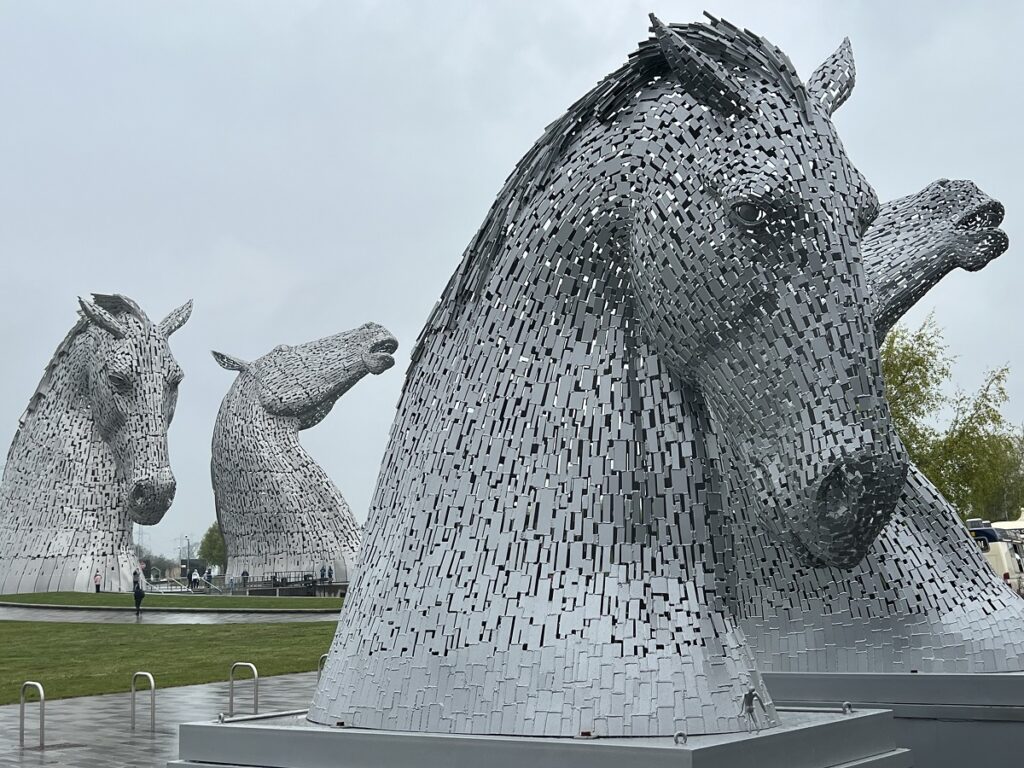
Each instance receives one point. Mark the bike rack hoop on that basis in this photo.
(152, 699)
(255, 687)
(42, 713)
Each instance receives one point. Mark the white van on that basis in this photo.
(1004, 551)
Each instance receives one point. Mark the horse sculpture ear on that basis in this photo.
(176, 319)
(702, 77)
(832, 82)
(228, 362)
(101, 318)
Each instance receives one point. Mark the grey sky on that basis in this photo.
(299, 168)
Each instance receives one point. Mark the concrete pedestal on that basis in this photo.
(947, 720)
(807, 739)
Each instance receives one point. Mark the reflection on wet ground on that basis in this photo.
(93, 731)
(10, 613)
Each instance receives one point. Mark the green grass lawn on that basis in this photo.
(86, 659)
(155, 600)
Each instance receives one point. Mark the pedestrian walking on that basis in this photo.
(135, 580)
(195, 579)
(96, 581)
(138, 594)
(245, 579)
(323, 573)
(330, 574)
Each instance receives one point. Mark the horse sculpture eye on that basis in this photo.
(747, 214)
(119, 382)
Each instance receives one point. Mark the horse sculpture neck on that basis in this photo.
(61, 485)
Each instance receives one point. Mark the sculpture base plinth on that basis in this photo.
(946, 719)
(807, 739)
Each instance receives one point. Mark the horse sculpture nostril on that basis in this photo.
(985, 216)
(851, 503)
(153, 494)
(836, 493)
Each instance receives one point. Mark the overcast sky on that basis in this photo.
(300, 168)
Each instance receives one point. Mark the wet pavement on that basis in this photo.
(100, 616)
(94, 731)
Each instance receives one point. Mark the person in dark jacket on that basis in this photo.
(139, 594)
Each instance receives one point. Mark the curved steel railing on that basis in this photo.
(152, 699)
(42, 713)
(255, 687)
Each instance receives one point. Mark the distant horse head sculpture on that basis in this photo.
(917, 239)
(669, 285)
(277, 521)
(305, 381)
(131, 387)
(90, 456)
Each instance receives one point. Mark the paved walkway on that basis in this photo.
(100, 616)
(93, 731)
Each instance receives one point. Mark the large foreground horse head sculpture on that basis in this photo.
(278, 510)
(746, 264)
(549, 545)
(90, 456)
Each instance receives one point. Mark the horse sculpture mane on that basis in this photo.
(114, 304)
(743, 52)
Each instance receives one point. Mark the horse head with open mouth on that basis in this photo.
(277, 508)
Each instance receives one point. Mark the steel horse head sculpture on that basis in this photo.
(278, 510)
(669, 286)
(90, 454)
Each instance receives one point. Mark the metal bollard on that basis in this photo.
(42, 713)
(255, 687)
(152, 699)
(320, 666)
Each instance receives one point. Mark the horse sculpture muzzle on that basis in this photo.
(803, 402)
(378, 356)
(151, 496)
(848, 507)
